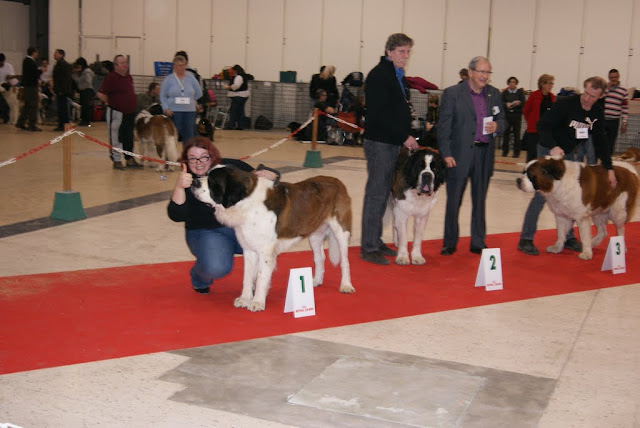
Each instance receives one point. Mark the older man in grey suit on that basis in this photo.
(470, 117)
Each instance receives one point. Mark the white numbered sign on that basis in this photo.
(490, 270)
(300, 299)
(615, 259)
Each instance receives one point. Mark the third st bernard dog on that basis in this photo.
(580, 193)
(268, 218)
(414, 193)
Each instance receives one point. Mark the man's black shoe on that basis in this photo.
(131, 163)
(204, 290)
(527, 247)
(386, 251)
(447, 251)
(58, 129)
(573, 244)
(476, 250)
(374, 257)
(24, 128)
(34, 129)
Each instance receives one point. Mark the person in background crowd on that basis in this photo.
(471, 116)
(328, 82)
(62, 87)
(150, 97)
(83, 76)
(178, 95)
(513, 99)
(571, 122)
(315, 85)
(464, 74)
(213, 244)
(387, 128)
(30, 94)
(118, 95)
(7, 74)
(615, 109)
(239, 94)
(537, 105)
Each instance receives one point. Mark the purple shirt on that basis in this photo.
(480, 106)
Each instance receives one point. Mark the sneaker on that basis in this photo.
(573, 244)
(118, 165)
(374, 257)
(131, 163)
(527, 247)
(386, 251)
(205, 290)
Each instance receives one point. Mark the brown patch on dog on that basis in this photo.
(597, 191)
(543, 173)
(302, 207)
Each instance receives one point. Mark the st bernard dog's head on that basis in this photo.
(423, 170)
(540, 174)
(224, 185)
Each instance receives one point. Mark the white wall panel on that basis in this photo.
(194, 33)
(303, 37)
(466, 36)
(229, 34)
(160, 33)
(131, 47)
(341, 36)
(510, 49)
(380, 19)
(14, 33)
(128, 17)
(265, 28)
(631, 78)
(605, 49)
(424, 23)
(64, 22)
(93, 46)
(558, 41)
(95, 16)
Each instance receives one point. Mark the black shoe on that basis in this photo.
(476, 250)
(386, 251)
(527, 247)
(205, 290)
(374, 257)
(131, 163)
(118, 165)
(447, 251)
(58, 129)
(516, 155)
(24, 128)
(34, 129)
(504, 154)
(573, 244)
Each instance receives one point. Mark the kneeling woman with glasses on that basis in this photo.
(213, 244)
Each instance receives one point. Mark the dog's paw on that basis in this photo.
(402, 259)
(418, 260)
(555, 249)
(241, 302)
(585, 255)
(255, 306)
(347, 288)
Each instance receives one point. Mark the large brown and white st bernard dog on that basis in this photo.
(416, 181)
(268, 218)
(158, 136)
(580, 193)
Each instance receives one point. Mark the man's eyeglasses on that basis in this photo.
(485, 72)
(194, 161)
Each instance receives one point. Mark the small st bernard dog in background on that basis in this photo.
(632, 154)
(158, 136)
(580, 193)
(268, 218)
(416, 181)
(13, 96)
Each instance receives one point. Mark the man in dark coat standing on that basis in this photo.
(62, 87)
(30, 75)
(471, 115)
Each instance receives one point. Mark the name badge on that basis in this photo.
(582, 133)
(495, 110)
(183, 100)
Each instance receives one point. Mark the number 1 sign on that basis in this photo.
(300, 299)
(490, 270)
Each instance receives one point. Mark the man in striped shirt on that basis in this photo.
(615, 108)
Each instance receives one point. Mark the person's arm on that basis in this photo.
(445, 122)
(624, 114)
(164, 97)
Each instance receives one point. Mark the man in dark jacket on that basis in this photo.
(387, 128)
(62, 87)
(30, 74)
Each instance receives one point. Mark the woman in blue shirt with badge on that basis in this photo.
(178, 96)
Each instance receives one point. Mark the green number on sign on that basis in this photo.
(617, 248)
(493, 262)
(302, 282)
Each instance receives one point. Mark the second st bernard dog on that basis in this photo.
(632, 154)
(580, 193)
(158, 136)
(268, 218)
(416, 181)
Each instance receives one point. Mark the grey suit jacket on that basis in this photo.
(457, 124)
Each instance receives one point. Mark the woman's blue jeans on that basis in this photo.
(214, 250)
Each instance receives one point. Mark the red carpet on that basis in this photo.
(72, 317)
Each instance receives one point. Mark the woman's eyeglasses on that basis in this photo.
(202, 159)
